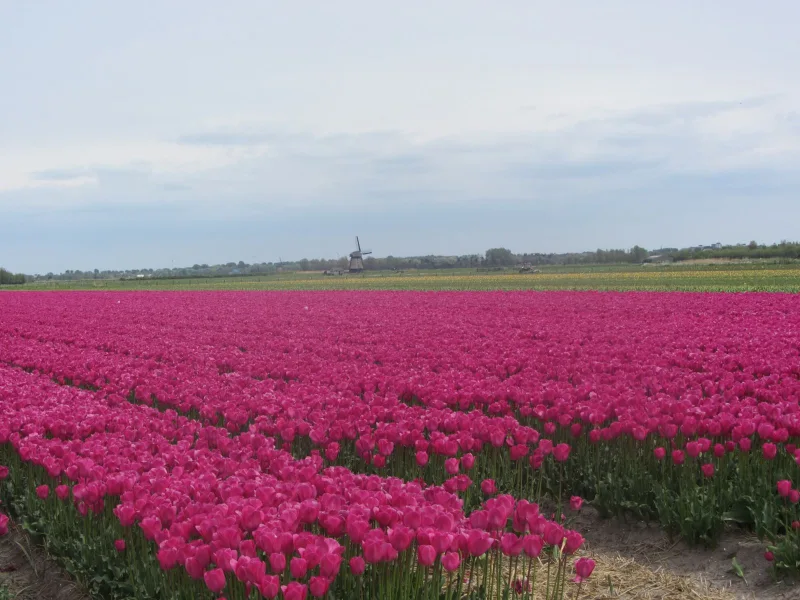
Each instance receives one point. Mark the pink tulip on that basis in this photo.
(561, 452)
(451, 465)
(269, 586)
(426, 555)
(553, 534)
(215, 580)
(693, 449)
(277, 562)
(574, 540)
(522, 586)
(478, 542)
(532, 545)
(583, 569)
(468, 461)
(319, 586)
(451, 561)
(294, 591)
(770, 450)
(329, 565)
(298, 567)
(488, 487)
(511, 545)
(784, 487)
(357, 565)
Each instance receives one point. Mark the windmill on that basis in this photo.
(356, 258)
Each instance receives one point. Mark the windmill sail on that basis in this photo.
(356, 258)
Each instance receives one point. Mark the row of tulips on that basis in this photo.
(153, 505)
(549, 401)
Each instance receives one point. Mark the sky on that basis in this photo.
(158, 134)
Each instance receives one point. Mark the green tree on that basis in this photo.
(9, 278)
(638, 254)
(499, 257)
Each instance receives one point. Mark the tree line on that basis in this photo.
(9, 278)
(493, 258)
(753, 250)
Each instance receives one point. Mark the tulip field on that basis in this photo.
(735, 277)
(390, 445)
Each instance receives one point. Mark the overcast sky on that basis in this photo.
(152, 134)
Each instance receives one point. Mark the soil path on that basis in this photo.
(646, 545)
(27, 573)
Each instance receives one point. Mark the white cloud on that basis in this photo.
(263, 166)
(272, 106)
(22, 166)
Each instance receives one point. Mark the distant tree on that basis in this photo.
(9, 278)
(638, 254)
(752, 245)
(499, 257)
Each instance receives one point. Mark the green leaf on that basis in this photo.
(740, 514)
(737, 569)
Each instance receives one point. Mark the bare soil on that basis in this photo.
(27, 573)
(646, 545)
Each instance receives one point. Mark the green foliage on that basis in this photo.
(8, 278)
(738, 570)
(676, 277)
(751, 251)
(499, 257)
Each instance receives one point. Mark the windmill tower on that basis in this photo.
(356, 258)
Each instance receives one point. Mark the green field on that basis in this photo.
(750, 277)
